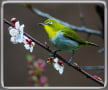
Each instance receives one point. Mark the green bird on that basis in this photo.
(63, 37)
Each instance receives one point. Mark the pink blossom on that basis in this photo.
(50, 60)
(13, 20)
(96, 77)
(43, 80)
(41, 65)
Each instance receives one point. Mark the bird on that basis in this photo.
(64, 38)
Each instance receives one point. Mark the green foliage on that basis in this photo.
(37, 70)
(22, 4)
(28, 57)
(34, 79)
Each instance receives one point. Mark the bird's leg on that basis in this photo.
(70, 60)
(53, 53)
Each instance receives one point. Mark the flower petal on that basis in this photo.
(56, 66)
(13, 32)
(24, 39)
(61, 69)
(17, 25)
(33, 44)
(13, 40)
(19, 38)
(27, 46)
(22, 28)
(10, 28)
(31, 49)
(56, 60)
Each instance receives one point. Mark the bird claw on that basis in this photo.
(53, 53)
(70, 61)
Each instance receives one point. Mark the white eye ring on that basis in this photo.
(50, 23)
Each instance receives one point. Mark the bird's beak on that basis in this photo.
(42, 24)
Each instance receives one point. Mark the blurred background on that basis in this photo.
(15, 63)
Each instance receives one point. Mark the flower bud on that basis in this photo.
(10, 28)
(41, 65)
(50, 60)
(60, 62)
(31, 72)
(43, 80)
(34, 78)
(96, 77)
(13, 20)
(29, 42)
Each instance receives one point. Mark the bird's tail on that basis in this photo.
(93, 44)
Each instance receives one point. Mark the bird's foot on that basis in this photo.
(70, 61)
(53, 53)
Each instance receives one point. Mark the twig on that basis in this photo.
(83, 21)
(100, 11)
(92, 67)
(82, 16)
(46, 15)
(61, 58)
(101, 50)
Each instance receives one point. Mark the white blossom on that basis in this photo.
(58, 66)
(16, 33)
(28, 44)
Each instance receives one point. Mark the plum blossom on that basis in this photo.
(36, 71)
(57, 64)
(16, 33)
(28, 44)
(50, 60)
(97, 77)
(41, 65)
(43, 80)
(13, 20)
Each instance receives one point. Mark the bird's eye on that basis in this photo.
(49, 23)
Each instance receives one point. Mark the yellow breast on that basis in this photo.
(50, 31)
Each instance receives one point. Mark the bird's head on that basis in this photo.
(51, 26)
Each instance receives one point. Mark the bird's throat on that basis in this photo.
(51, 32)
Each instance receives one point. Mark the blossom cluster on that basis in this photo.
(97, 77)
(17, 35)
(57, 64)
(36, 71)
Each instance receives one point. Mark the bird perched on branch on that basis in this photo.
(63, 37)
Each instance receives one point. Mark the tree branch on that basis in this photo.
(82, 16)
(92, 67)
(46, 15)
(79, 69)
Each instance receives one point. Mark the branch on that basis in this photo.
(101, 50)
(79, 69)
(46, 15)
(92, 67)
(82, 16)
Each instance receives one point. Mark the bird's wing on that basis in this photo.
(69, 33)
